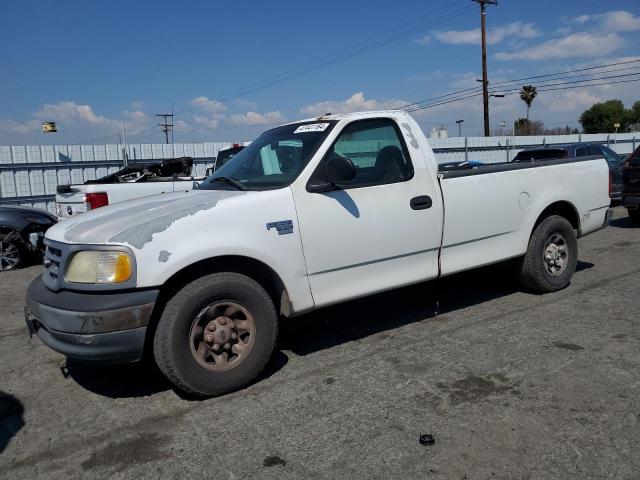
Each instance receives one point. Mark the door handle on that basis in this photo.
(421, 203)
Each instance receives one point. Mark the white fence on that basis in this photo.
(29, 174)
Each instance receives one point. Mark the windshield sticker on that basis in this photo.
(311, 127)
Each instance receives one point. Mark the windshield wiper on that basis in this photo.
(230, 181)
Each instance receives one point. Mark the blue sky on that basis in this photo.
(89, 65)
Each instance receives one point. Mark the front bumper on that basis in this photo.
(101, 327)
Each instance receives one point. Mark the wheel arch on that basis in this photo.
(562, 208)
(244, 265)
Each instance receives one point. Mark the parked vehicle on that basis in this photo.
(132, 181)
(22, 232)
(573, 150)
(224, 156)
(310, 214)
(631, 188)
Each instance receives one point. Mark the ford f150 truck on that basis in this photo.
(309, 214)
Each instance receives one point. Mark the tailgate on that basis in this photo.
(71, 203)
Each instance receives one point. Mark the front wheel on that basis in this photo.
(216, 334)
(552, 256)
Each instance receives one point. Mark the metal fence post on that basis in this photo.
(466, 149)
(608, 139)
(508, 149)
(579, 138)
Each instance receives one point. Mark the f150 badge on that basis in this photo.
(283, 226)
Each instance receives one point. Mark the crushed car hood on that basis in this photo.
(135, 222)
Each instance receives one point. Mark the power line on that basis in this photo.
(454, 93)
(544, 88)
(339, 56)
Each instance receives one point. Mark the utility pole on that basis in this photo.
(485, 81)
(166, 127)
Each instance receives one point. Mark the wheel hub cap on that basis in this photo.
(9, 255)
(222, 336)
(556, 254)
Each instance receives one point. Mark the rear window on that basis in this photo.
(542, 154)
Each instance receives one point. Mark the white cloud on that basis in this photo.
(208, 104)
(355, 103)
(619, 21)
(255, 118)
(613, 21)
(494, 35)
(137, 105)
(424, 40)
(71, 113)
(207, 122)
(136, 115)
(577, 45)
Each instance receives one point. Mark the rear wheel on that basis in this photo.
(216, 334)
(12, 252)
(552, 256)
(634, 215)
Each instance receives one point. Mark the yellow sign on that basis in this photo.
(49, 127)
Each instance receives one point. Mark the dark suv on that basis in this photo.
(631, 187)
(580, 150)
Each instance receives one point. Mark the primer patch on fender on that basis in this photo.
(311, 127)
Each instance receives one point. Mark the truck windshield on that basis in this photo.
(271, 161)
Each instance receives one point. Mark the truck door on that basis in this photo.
(378, 231)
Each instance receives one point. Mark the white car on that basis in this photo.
(309, 214)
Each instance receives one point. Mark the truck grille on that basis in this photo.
(54, 256)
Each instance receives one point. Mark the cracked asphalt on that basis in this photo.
(512, 385)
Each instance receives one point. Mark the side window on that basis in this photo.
(594, 150)
(581, 152)
(377, 150)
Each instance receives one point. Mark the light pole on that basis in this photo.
(459, 122)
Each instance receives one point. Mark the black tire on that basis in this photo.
(15, 251)
(535, 273)
(172, 343)
(634, 215)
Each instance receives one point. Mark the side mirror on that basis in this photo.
(336, 170)
(339, 170)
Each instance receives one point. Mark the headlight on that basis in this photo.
(94, 266)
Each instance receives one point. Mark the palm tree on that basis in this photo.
(527, 94)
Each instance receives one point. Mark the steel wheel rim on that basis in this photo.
(222, 336)
(9, 256)
(556, 254)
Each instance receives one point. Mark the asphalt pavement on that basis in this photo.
(511, 385)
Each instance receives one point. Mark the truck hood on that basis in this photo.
(135, 222)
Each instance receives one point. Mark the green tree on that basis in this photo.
(526, 127)
(527, 94)
(602, 117)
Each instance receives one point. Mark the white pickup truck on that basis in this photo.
(134, 181)
(309, 214)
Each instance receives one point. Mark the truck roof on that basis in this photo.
(353, 115)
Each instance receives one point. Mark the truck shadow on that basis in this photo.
(360, 318)
(329, 327)
(624, 222)
(11, 418)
